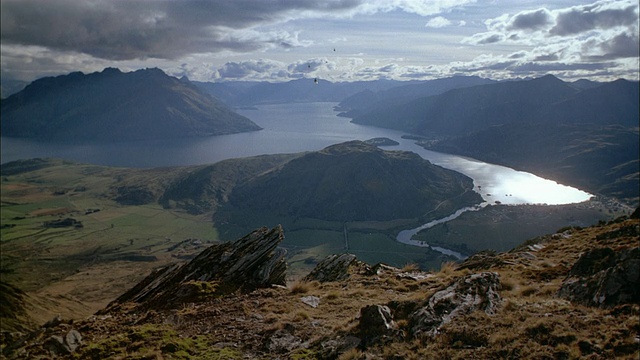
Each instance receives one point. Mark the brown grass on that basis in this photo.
(300, 287)
(411, 267)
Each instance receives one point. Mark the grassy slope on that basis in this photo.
(75, 271)
(62, 268)
(531, 323)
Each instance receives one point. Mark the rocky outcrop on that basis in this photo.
(465, 295)
(604, 278)
(251, 262)
(57, 345)
(377, 325)
(483, 260)
(334, 267)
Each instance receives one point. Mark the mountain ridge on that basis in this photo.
(571, 293)
(354, 181)
(113, 106)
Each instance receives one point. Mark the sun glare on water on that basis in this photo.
(530, 189)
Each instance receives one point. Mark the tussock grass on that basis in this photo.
(300, 287)
(528, 291)
(351, 354)
(332, 295)
(411, 267)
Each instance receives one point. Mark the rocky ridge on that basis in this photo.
(247, 264)
(518, 304)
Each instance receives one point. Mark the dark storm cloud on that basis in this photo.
(621, 46)
(585, 18)
(130, 29)
(532, 20)
(490, 39)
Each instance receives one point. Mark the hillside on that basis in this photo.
(600, 160)
(571, 294)
(114, 106)
(355, 181)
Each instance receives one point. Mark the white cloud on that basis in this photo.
(221, 39)
(592, 37)
(438, 22)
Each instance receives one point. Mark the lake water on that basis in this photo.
(290, 128)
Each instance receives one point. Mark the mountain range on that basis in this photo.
(465, 110)
(582, 134)
(242, 93)
(116, 106)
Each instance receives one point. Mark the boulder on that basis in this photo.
(604, 278)
(55, 345)
(334, 267)
(332, 348)
(58, 346)
(465, 295)
(249, 263)
(310, 300)
(376, 325)
(73, 340)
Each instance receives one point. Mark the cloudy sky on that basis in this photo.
(337, 40)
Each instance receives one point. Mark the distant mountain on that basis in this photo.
(613, 103)
(369, 101)
(584, 134)
(241, 93)
(9, 87)
(473, 108)
(112, 105)
(355, 181)
(465, 110)
(584, 84)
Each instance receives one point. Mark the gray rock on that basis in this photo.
(312, 301)
(55, 345)
(332, 348)
(376, 325)
(604, 278)
(282, 340)
(463, 296)
(73, 340)
(334, 267)
(249, 263)
(58, 346)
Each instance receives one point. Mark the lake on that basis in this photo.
(290, 128)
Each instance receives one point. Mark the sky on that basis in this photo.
(335, 40)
